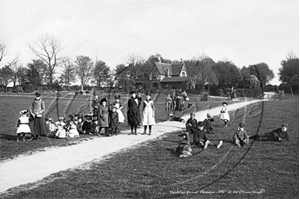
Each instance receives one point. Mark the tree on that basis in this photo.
(47, 49)
(101, 72)
(69, 71)
(36, 72)
(289, 71)
(227, 73)
(14, 65)
(6, 75)
(84, 68)
(251, 81)
(22, 75)
(3, 50)
(262, 72)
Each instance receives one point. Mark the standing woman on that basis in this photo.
(224, 114)
(133, 113)
(103, 116)
(139, 103)
(95, 106)
(37, 124)
(148, 114)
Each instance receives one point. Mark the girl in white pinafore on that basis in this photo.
(224, 114)
(148, 114)
(23, 125)
(119, 107)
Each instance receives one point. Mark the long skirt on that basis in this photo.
(121, 117)
(37, 126)
(225, 116)
(133, 117)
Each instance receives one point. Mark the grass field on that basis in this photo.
(152, 170)
(63, 105)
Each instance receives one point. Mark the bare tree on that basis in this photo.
(14, 65)
(69, 71)
(84, 68)
(3, 50)
(47, 49)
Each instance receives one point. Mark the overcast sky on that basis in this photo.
(243, 31)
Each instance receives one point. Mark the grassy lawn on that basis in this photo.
(63, 105)
(261, 170)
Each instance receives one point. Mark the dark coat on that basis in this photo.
(133, 115)
(207, 124)
(191, 124)
(113, 119)
(103, 116)
(87, 127)
(95, 105)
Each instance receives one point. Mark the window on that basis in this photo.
(183, 74)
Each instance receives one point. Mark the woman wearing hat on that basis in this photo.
(224, 114)
(148, 114)
(36, 110)
(103, 116)
(23, 125)
(133, 113)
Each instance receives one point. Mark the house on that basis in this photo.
(162, 76)
(166, 75)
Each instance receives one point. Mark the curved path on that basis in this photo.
(31, 168)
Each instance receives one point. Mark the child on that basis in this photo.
(148, 114)
(168, 103)
(47, 125)
(61, 131)
(118, 107)
(113, 120)
(224, 114)
(78, 122)
(72, 133)
(207, 123)
(240, 137)
(23, 125)
(52, 128)
(191, 123)
(278, 135)
(103, 116)
(199, 136)
(95, 127)
(87, 125)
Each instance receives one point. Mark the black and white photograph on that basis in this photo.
(123, 99)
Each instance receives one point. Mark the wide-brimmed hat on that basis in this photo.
(285, 125)
(24, 112)
(103, 100)
(38, 94)
(241, 125)
(131, 92)
(117, 96)
(61, 118)
(224, 103)
(148, 93)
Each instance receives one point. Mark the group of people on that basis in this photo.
(199, 131)
(175, 103)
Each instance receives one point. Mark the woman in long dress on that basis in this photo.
(37, 124)
(148, 114)
(103, 116)
(224, 114)
(133, 113)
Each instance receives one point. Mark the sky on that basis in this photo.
(245, 32)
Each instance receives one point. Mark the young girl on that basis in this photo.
(72, 133)
(118, 107)
(168, 103)
(23, 125)
(61, 131)
(224, 114)
(103, 116)
(113, 120)
(148, 114)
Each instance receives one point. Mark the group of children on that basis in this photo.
(199, 131)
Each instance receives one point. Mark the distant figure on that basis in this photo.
(103, 117)
(207, 124)
(224, 114)
(175, 118)
(240, 137)
(87, 125)
(23, 125)
(168, 103)
(118, 107)
(114, 120)
(278, 135)
(95, 106)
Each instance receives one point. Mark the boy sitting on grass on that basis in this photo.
(240, 137)
(278, 135)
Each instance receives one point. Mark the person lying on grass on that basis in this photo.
(278, 135)
(183, 150)
(240, 137)
(175, 118)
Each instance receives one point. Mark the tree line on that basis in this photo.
(201, 70)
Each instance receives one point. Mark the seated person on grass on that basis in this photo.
(207, 124)
(183, 150)
(278, 135)
(240, 137)
(175, 118)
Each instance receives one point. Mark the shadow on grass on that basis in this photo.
(7, 137)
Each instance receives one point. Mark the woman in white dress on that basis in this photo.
(23, 125)
(148, 114)
(117, 104)
(224, 114)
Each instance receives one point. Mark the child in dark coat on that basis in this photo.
(207, 124)
(113, 120)
(87, 127)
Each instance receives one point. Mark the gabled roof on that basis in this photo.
(174, 69)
